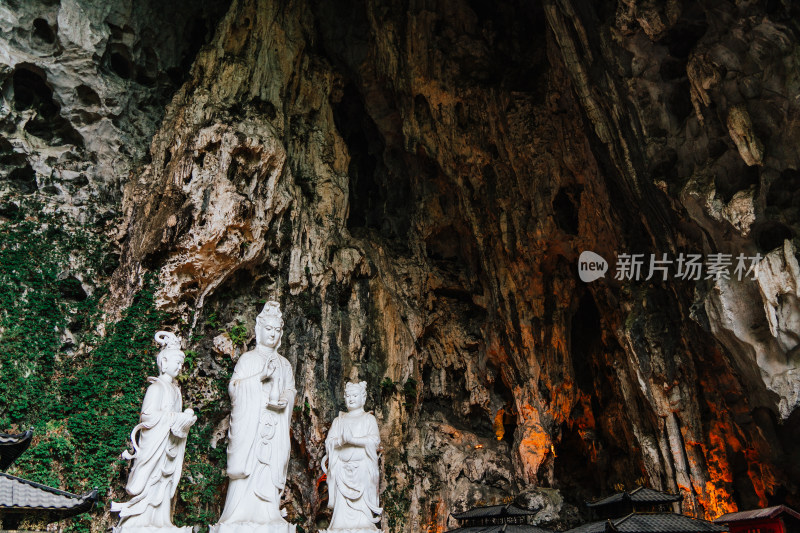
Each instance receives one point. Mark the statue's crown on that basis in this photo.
(168, 340)
(271, 310)
(357, 387)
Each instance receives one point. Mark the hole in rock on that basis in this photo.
(110, 263)
(23, 179)
(689, 28)
(585, 341)
(770, 235)
(119, 61)
(200, 32)
(9, 210)
(784, 192)
(734, 177)
(14, 159)
(672, 70)
(5, 146)
(379, 196)
(345, 291)
(71, 289)
(679, 102)
(565, 210)
(87, 95)
(422, 110)
(444, 245)
(32, 92)
(364, 145)
(505, 422)
(772, 6)
(743, 491)
(148, 73)
(576, 463)
(789, 434)
(716, 148)
(43, 31)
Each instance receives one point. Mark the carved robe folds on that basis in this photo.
(258, 446)
(157, 461)
(353, 473)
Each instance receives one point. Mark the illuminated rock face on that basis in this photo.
(418, 182)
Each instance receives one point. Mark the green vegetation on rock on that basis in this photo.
(78, 381)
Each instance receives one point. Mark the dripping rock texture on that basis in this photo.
(415, 181)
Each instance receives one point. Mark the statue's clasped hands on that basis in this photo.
(346, 439)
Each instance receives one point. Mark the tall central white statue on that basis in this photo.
(262, 397)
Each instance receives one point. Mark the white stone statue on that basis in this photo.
(159, 442)
(262, 397)
(352, 469)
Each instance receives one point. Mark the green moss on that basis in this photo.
(387, 386)
(395, 505)
(82, 404)
(200, 491)
(410, 392)
(107, 392)
(309, 306)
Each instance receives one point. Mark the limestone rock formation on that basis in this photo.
(419, 180)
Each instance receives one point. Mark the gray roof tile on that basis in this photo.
(502, 528)
(637, 495)
(755, 514)
(12, 446)
(493, 511)
(18, 493)
(651, 523)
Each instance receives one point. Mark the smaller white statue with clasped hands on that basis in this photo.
(159, 443)
(352, 469)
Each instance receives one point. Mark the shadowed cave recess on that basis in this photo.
(414, 181)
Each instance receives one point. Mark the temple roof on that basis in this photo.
(493, 511)
(23, 495)
(650, 523)
(637, 495)
(504, 528)
(12, 446)
(757, 514)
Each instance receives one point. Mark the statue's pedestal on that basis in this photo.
(151, 529)
(276, 526)
(363, 530)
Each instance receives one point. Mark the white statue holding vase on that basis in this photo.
(352, 469)
(262, 395)
(159, 443)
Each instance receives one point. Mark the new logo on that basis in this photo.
(591, 266)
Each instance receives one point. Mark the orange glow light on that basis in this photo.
(499, 427)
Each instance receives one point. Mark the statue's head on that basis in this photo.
(170, 358)
(355, 395)
(269, 326)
